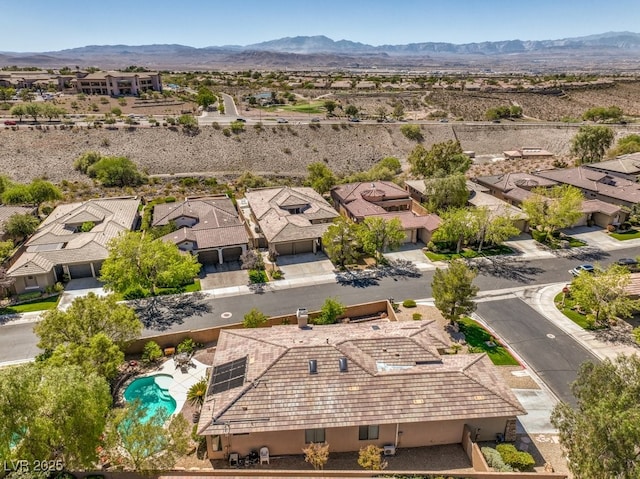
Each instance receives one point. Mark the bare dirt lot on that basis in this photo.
(282, 150)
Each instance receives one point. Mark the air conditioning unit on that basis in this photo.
(389, 450)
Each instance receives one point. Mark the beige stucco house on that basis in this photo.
(60, 246)
(287, 220)
(377, 382)
(385, 199)
(209, 227)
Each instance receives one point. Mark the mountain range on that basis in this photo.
(612, 51)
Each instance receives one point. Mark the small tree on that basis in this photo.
(197, 393)
(316, 454)
(351, 110)
(254, 319)
(378, 235)
(116, 171)
(453, 290)
(20, 226)
(330, 106)
(17, 195)
(553, 208)
(603, 294)
(205, 97)
(457, 228)
(443, 159)
(320, 177)
(412, 132)
(41, 191)
(84, 161)
(151, 352)
(252, 259)
(370, 457)
(330, 311)
(340, 242)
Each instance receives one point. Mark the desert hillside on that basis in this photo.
(280, 150)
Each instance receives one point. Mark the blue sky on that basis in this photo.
(47, 25)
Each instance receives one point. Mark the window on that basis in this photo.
(313, 435)
(367, 433)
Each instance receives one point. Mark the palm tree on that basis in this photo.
(197, 392)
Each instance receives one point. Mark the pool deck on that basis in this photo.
(182, 381)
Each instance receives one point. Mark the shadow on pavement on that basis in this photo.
(505, 267)
(585, 253)
(358, 278)
(399, 268)
(162, 312)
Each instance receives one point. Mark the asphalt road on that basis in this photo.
(552, 354)
(17, 341)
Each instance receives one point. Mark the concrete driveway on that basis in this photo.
(80, 287)
(411, 252)
(304, 265)
(223, 276)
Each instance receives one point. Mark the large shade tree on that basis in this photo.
(52, 413)
(601, 433)
(590, 143)
(92, 333)
(551, 209)
(603, 294)
(442, 159)
(136, 261)
(447, 192)
(340, 242)
(453, 290)
(378, 235)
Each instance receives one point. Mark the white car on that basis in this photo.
(580, 268)
(282, 120)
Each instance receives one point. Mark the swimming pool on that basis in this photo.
(153, 393)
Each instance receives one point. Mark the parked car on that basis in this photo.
(629, 263)
(10, 122)
(444, 120)
(242, 120)
(354, 119)
(282, 120)
(582, 267)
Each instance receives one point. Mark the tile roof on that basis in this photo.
(614, 187)
(268, 205)
(217, 224)
(496, 206)
(56, 242)
(628, 164)
(395, 374)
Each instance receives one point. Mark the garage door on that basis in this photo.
(303, 247)
(80, 271)
(208, 257)
(286, 248)
(231, 254)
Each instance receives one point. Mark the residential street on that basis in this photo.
(553, 355)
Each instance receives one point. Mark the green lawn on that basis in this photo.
(627, 235)
(476, 336)
(300, 107)
(469, 253)
(569, 312)
(35, 305)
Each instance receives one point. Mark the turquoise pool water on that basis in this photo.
(153, 393)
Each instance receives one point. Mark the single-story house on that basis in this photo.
(596, 185)
(385, 199)
(480, 198)
(377, 382)
(527, 153)
(72, 241)
(287, 220)
(624, 166)
(208, 226)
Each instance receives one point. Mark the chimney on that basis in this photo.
(302, 315)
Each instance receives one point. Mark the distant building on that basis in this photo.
(527, 153)
(624, 166)
(111, 83)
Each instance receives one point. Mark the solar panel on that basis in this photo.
(228, 376)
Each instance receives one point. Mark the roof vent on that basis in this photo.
(344, 366)
(313, 366)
